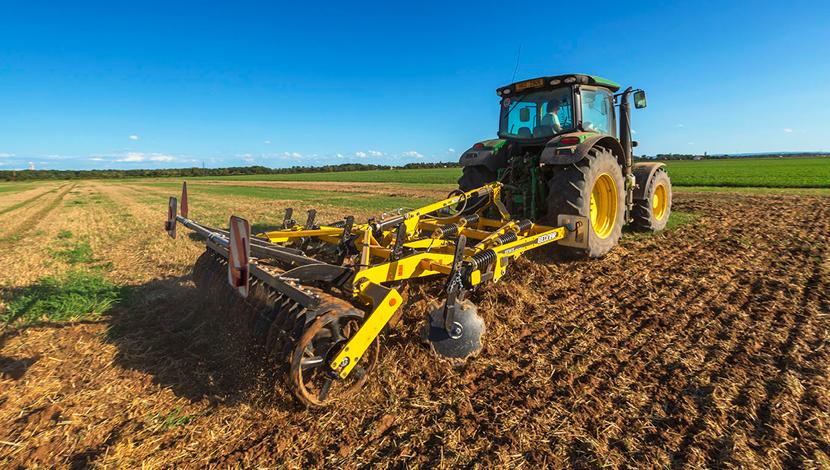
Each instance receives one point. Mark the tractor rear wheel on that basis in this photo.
(473, 177)
(652, 212)
(592, 188)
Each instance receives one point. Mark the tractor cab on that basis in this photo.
(534, 111)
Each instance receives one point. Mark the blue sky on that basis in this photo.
(170, 84)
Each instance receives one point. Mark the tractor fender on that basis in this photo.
(553, 154)
(493, 157)
(643, 171)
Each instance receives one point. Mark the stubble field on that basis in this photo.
(703, 346)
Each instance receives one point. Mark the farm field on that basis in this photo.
(703, 346)
(734, 172)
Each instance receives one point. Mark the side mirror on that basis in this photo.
(634, 143)
(640, 99)
(524, 114)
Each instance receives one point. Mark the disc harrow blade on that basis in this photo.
(299, 340)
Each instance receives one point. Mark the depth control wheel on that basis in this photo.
(310, 377)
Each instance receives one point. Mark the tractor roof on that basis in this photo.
(556, 80)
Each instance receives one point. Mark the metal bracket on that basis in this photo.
(287, 220)
(455, 286)
(400, 238)
(577, 226)
(170, 223)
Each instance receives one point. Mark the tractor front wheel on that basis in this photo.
(591, 188)
(652, 212)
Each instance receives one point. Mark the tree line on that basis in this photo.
(29, 175)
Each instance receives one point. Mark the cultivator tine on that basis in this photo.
(324, 390)
(239, 249)
(310, 224)
(170, 224)
(343, 249)
(310, 220)
(184, 199)
(287, 220)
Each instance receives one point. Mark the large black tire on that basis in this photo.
(473, 177)
(569, 192)
(652, 213)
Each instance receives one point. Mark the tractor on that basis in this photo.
(560, 151)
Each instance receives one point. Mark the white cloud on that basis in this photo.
(132, 157)
(679, 125)
(361, 154)
(292, 154)
(691, 143)
(134, 137)
(633, 131)
(375, 153)
(413, 154)
(138, 157)
(266, 142)
(450, 150)
(6, 155)
(788, 130)
(97, 159)
(339, 155)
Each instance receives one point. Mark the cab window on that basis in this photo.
(597, 115)
(536, 114)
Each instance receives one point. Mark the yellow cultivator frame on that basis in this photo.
(469, 238)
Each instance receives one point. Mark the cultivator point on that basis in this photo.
(317, 297)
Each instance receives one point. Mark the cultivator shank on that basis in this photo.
(318, 296)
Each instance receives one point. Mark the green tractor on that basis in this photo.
(561, 152)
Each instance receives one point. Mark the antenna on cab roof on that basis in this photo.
(518, 56)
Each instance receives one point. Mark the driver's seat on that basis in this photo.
(542, 131)
(525, 132)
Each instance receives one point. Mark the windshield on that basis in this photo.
(536, 114)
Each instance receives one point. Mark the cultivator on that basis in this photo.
(317, 297)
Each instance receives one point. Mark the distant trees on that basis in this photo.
(27, 175)
(695, 156)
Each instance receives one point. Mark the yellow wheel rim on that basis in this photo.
(604, 205)
(659, 202)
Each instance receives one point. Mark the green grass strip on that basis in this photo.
(309, 197)
(731, 172)
(81, 252)
(76, 295)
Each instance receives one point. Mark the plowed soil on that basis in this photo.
(705, 346)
